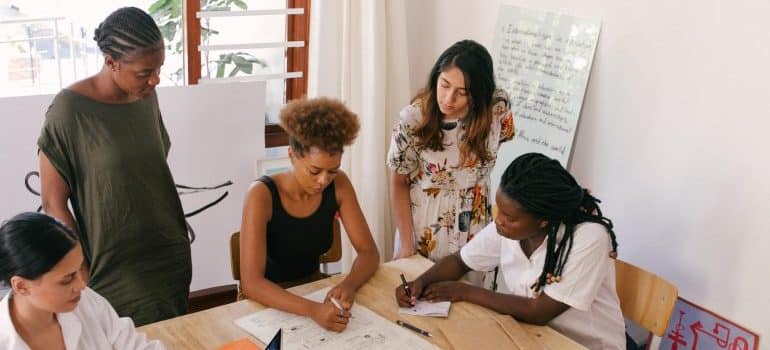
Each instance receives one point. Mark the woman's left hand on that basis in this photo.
(344, 294)
(445, 291)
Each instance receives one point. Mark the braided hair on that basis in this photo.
(546, 190)
(126, 30)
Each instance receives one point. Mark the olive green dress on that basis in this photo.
(129, 217)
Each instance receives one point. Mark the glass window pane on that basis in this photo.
(42, 56)
(276, 97)
(242, 62)
(266, 4)
(246, 30)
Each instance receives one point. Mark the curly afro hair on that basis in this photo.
(321, 122)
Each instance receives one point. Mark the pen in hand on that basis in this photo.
(338, 305)
(406, 286)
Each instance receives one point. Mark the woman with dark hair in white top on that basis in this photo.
(555, 251)
(49, 305)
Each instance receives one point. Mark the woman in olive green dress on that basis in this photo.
(103, 148)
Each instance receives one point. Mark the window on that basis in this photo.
(252, 40)
(46, 45)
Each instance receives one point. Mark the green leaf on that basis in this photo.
(237, 59)
(262, 63)
(220, 70)
(246, 68)
(169, 30)
(163, 13)
(242, 5)
(217, 8)
(157, 5)
(251, 58)
(234, 72)
(176, 12)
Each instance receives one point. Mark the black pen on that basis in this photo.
(406, 286)
(413, 328)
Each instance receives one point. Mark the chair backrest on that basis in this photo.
(235, 255)
(333, 254)
(645, 298)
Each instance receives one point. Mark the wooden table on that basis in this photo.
(214, 327)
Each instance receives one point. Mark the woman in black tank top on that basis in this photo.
(288, 217)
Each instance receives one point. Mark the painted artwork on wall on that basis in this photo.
(694, 328)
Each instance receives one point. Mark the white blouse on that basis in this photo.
(93, 325)
(587, 283)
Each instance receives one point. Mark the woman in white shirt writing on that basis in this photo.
(555, 252)
(49, 305)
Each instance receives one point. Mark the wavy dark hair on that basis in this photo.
(475, 62)
(31, 244)
(549, 192)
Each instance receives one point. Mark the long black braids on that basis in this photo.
(126, 30)
(548, 191)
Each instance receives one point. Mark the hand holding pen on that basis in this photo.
(330, 315)
(408, 292)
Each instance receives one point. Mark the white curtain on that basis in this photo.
(358, 53)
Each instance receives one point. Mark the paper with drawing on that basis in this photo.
(366, 330)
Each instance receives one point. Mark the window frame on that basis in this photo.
(297, 29)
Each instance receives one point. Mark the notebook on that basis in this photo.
(426, 308)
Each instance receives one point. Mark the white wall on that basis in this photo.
(673, 136)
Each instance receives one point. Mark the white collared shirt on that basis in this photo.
(93, 325)
(587, 283)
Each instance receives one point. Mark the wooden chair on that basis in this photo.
(334, 253)
(645, 298)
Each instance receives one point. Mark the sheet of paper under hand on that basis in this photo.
(426, 308)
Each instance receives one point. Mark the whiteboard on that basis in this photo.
(543, 59)
(217, 134)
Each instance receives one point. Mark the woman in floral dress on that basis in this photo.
(442, 152)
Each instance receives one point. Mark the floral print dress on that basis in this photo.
(450, 201)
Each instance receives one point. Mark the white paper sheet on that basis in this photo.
(366, 330)
(426, 308)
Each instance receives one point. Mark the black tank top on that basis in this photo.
(295, 244)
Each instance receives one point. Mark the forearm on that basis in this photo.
(271, 295)
(402, 209)
(450, 268)
(61, 212)
(521, 308)
(364, 266)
